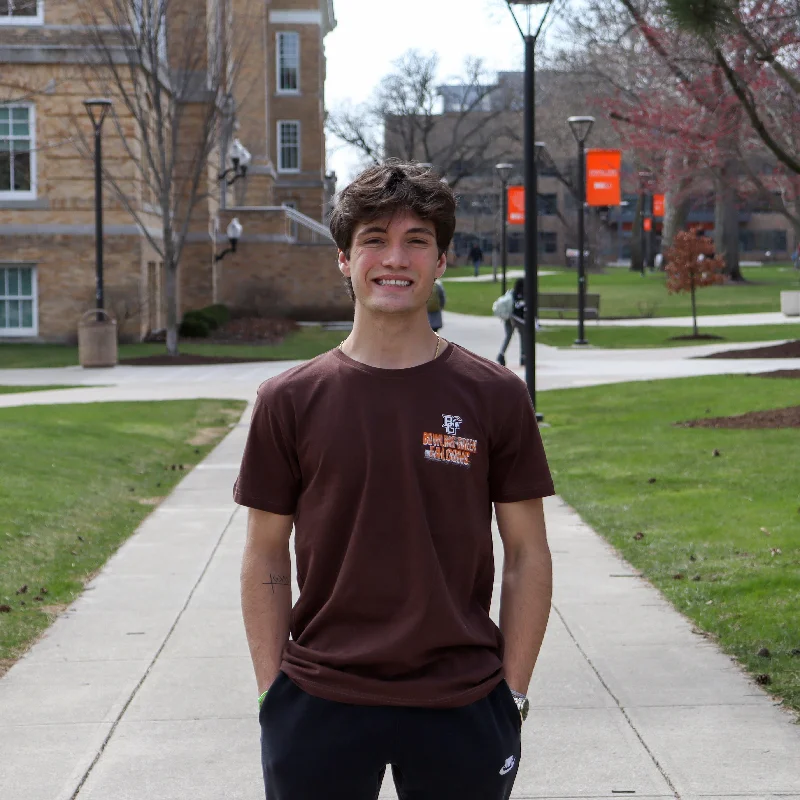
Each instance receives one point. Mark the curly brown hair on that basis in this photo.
(390, 187)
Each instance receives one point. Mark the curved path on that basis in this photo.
(144, 689)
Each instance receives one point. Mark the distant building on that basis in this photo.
(558, 97)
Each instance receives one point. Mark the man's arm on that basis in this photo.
(527, 587)
(267, 591)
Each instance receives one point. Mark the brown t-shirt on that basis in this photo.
(390, 475)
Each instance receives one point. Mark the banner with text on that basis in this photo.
(516, 205)
(658, 205)
(602, 177)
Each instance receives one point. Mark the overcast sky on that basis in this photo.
(371, 34)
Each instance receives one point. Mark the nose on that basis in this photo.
(395, 255)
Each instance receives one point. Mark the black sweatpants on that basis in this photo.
(315, 749)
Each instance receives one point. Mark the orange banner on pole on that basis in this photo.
(602, 177)
(658, 205)
(648, 224)
(516, 205)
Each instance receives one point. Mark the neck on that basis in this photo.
(391, 341)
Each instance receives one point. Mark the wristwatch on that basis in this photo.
(523, 704)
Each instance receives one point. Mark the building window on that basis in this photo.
(548, 205)
(288, 62)
(16, 152)
(548, 242)
(288, 146)
(17, 301)
(763, 241)
(20, 12)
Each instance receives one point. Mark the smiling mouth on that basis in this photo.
(397, 282)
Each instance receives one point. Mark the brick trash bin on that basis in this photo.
(97, 339)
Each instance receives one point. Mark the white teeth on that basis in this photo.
(394, 283)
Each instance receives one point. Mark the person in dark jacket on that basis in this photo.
(515, 321)
(435, 305)
(476, 257)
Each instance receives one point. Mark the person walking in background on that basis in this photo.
(515, 321)
(386, 455)
(476, 257)
(435, 305)
(796, 256)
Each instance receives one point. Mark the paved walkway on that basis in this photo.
(144, 688)
(706, 321)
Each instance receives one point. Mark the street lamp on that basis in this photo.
(531, 218)
(240, 159)
(234, 231)
(504, 173)
(580, 127)
(98, 108)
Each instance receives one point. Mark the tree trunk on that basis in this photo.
(694, 310)
(676, 212)
(172, 307)
(637, 254)
(726, 220)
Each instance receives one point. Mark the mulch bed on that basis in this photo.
(785, 350)
(691, 338)
(247, 330)
(773, 418)
(780, 373)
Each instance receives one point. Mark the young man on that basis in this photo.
(386, 454)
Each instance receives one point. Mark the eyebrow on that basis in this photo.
(378, 229)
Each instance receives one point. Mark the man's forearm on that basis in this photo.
(524, 610)
(266, 607)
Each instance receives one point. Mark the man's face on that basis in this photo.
(393, 263)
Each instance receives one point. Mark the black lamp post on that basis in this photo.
(580, 127)
(504, 173)
(98, 108)
(531, 211)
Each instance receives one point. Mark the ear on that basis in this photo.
(344, 264)
(441, 265)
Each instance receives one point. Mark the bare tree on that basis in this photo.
(462, 128)
(171, 71)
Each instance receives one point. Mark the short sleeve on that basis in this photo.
(269, 477)
(518, 467)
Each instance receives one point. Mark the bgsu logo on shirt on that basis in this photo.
(448, 447)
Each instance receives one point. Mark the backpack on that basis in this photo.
(503, 307)
(434, 301)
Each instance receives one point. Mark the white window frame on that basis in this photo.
(30, 194)
(34, 330)
(281, 168)
(278, 69)
(9, 19)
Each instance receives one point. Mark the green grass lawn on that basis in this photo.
(660, 337)
(305, 343)
(710, 524)
(626, 294)
(17, 389)
(75, 482)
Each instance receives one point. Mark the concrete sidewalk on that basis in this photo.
(144, 687)
(704, 322)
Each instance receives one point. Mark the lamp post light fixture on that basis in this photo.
(234, 232)
(504, 173)
(240, 159)
(98, 108)
(531, 211)
(581, 126)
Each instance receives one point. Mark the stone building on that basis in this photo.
(285, 260)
